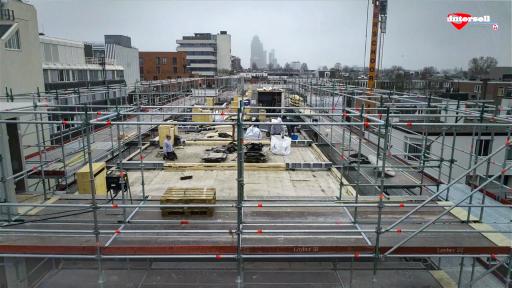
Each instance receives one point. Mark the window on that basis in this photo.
(61, 75)
(478, 88)
(158, 60)
(483, 147)
(175, 70)
(14, 41)
(157, 69)
(501, 92)
(164, 60)
(46, 77)
(174, 61)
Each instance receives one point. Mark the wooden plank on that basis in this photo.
(458, 212)
(215, 142)
(497, 238)
(224, 166)
(39, 209)
(443, 279)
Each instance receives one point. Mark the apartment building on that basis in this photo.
(20, 69)
(118, 50)
(163, 65)
(207, 54)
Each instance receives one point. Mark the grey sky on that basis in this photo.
(318, 32)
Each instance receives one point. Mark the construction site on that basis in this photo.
(251, 180)
(346, 205)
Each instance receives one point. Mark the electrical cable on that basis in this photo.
(79, 212)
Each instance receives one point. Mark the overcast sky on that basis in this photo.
(318, 32)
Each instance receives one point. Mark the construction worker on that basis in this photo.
(169, 153)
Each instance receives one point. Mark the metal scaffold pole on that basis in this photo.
(86, 123)
(240, 191)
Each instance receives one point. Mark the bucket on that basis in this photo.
(295, 137)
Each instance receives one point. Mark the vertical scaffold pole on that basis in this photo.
(240, 191)
(94, 204)
(378, 229)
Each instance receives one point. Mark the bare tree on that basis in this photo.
(304, 67)
(396, 73)
(337, 66)
(480, 67)
(428, 72)
(287, 67)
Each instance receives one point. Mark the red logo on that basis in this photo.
(461, 24)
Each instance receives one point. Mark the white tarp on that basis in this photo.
(253, 133)
(280, 145)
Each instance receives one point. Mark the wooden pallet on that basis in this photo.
(187, 211)
(188, 196)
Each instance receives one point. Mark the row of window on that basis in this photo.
(160, 60)
(201, 61)
(159, 70)
(68, 75)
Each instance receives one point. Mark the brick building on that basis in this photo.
(163, 65)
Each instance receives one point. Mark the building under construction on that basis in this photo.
(376, 188)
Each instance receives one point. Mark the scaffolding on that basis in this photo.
(375, 217)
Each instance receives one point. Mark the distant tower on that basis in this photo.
(272, 61)
(258, 55)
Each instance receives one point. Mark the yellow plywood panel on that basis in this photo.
(210, 101)
(201, 118)
(100, 182)
(443, 279)
(262, 115)
(163, 131)
(497, 238)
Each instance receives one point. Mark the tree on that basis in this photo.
(338, 66)
(428, 72)
(324, 68)
(396, 73)
(304, 67)
(287, 67)
(480, 67)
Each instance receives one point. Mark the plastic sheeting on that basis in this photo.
(280, 145)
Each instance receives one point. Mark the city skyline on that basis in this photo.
(316, 32)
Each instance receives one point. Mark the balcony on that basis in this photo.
(196, 41)
(186, 49)
(7, 14)
(99, 61)
(201, 57)
(202, 65)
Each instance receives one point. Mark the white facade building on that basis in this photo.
(118, 50)
(20, 68)
(207, 54)
(65, 65)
